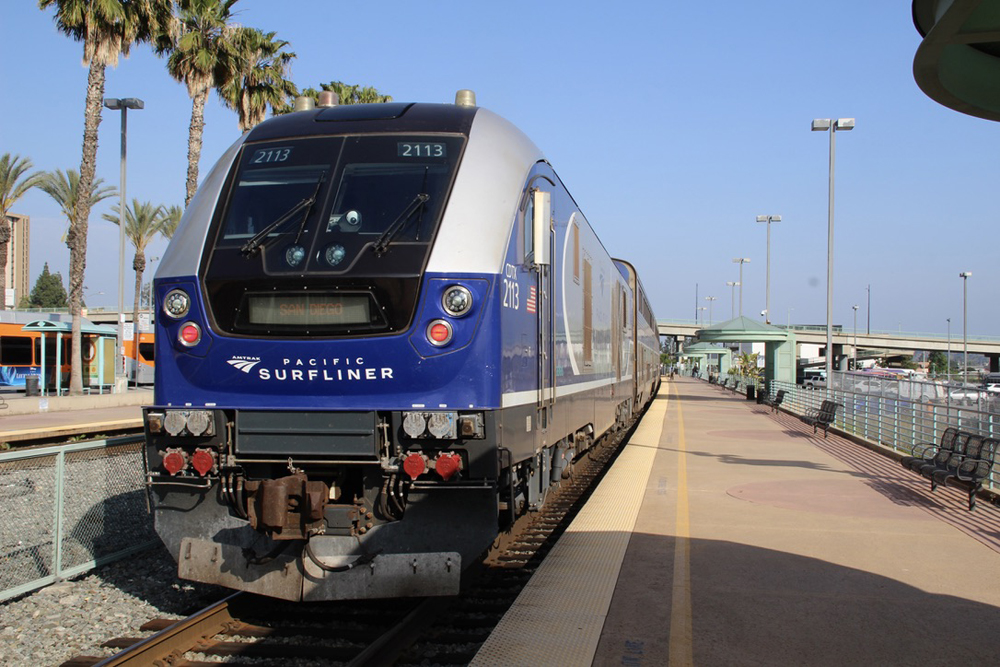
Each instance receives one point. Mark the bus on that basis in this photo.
(146, 359)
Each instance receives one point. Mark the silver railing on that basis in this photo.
(68, 509)
(899, 413)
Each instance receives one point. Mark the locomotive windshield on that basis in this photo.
(325, 235)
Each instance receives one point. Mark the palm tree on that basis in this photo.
(171, 218)
(355, 94)
(143, 222)
(262, 78)
(203, 56)
(108, 29)
(13, 184)
(346, 94)
(65, 189)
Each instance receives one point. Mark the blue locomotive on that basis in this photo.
(384, 332)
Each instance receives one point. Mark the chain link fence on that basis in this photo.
(67, 509)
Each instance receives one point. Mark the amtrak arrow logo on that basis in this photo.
(244, 363)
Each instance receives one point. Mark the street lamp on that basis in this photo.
(702, 317)
(855, 307)
(122, 104)
(710, 299)
(965, 275)
(831, 126)
(732, 284)
(767, 293)
(948, 367)
(741, 261)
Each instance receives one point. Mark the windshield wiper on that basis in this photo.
(382, 244)
(259, 240)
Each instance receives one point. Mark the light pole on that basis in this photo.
(767, 290)
(732, 284)
(741, 261)
(710, 299)
(869, 310)
(122, 104)
(948, 367)
(855, 307)
(702, 317)
(965, 275)
(831, 126)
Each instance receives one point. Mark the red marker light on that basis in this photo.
(190, 334)
(439, 333)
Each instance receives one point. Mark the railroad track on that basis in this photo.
(444, 631)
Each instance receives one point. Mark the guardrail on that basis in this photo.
(899, 414)
(67, 509)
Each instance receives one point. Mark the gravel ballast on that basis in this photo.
(75, 617)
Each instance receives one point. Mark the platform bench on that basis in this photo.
(775, 401)
(967, 467)
(931, 454)
(823, 417)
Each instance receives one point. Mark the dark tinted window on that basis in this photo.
(15, 351)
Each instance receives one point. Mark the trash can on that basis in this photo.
(31, 386)
(751, 392)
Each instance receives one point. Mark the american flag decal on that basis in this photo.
(532, 299)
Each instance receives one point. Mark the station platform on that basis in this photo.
(726, 534)
(28, 418)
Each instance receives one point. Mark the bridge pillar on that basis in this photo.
(994, 363)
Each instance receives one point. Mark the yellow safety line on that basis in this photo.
(680, 606)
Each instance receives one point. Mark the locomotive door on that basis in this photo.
(542, 300)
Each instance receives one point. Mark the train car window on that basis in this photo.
(147, 351)
(15, 351)
(527, 236)
(309, 218)
(576, 252)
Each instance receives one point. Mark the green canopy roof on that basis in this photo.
(741, 330)
(86, 327)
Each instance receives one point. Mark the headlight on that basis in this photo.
(176, 304)
(457, 300)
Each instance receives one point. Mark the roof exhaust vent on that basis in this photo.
(328, 98)
(303, 103)
(465, 98)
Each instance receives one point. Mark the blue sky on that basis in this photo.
(673, 124)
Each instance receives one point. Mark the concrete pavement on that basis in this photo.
(760, 543)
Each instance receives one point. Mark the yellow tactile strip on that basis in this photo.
(558, 617)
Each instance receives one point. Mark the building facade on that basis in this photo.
(18, 263)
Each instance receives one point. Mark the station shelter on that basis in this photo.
(779, 345)
(98, 354)
(709, 358)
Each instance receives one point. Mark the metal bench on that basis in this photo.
(775, 401)
(967, 469)
(823, 417)
(929, 453)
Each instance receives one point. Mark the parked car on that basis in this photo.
(813, 379)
